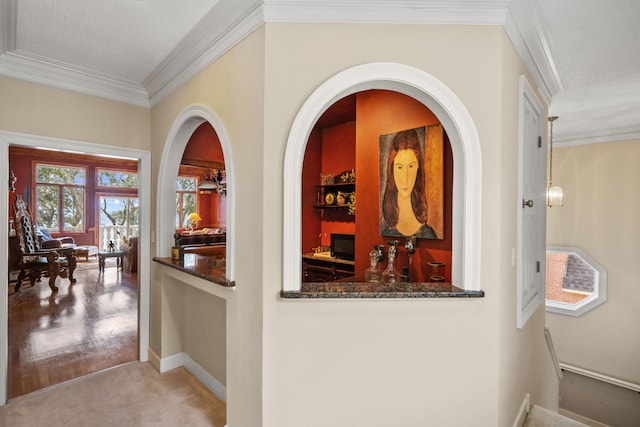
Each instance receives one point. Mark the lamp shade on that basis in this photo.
(194, 217)
(555, 196)
(207, 184)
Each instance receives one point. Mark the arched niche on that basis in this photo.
(465, 145)
(181, 130)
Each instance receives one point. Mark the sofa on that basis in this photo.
(49, 242)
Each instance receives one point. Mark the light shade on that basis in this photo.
(194, 217)
(207, 185)
(555, 196)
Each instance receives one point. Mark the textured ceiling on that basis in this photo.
(584, 54)
(121, 39)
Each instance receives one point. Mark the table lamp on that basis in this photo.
(193, 219)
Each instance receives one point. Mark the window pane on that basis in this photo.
(47, 198)
(59, 175)
(117, 179)
(73, 198)
(188, 203)
(186, 184)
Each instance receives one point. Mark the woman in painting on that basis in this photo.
(404, 205)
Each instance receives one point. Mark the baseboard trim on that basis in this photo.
(521, 417)
(183, 359)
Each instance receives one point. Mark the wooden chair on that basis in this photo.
(36, 262)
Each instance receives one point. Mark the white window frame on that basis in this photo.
(465, 145)
(599, 295)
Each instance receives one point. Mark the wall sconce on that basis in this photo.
(213, 181)
(193, 219)
(555, 195)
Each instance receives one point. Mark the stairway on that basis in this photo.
(541, 417)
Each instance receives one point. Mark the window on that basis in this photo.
(186, 199)
(60, 200)
(575, 282)
(116, 179)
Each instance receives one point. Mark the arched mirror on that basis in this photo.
(576, 283)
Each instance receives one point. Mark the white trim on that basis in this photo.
(530, 37)
(525, 309)
(552, 351)
(600, 377)
(465, 144)
(208, 380)
(181, 130)
(597, 297)
(451, 12)
(521, 416)
(144, 196)
(44, 71)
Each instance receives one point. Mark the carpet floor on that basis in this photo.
(134, 394)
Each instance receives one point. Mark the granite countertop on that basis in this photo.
(354, 289)
(205, 267)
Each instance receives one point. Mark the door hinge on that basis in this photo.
(539, 141)
(537, 266)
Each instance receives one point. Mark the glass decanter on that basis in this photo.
(390, 275)
(372, 274)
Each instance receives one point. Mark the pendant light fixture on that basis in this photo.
(555, 194)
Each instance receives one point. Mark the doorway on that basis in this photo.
(143, 161)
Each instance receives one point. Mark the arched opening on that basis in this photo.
(185, 292)
(465, 148)
(189, 120)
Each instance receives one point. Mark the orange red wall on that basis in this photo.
(378, 112)
(204, 145)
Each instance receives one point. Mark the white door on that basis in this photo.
(531, 205)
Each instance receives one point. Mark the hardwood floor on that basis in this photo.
(83, 328)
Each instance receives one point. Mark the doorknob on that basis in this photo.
(527, 203)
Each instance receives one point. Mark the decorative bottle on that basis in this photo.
(372, 274)
(390, 275)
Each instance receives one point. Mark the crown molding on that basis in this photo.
(530, 37)
(32, 69)
(220, 30)
(387, 11)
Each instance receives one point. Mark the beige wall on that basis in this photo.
(600, 216)
(525, 364)
(233, 89)
(399, 362)
(39, 110)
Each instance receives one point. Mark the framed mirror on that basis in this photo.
(576, 283)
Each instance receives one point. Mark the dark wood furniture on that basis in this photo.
(103, 255)
(325, 269)
(34, 261)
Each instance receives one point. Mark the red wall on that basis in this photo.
(204, 145)
(378, 112)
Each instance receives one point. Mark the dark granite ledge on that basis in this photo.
(377, 290)
(202, 266)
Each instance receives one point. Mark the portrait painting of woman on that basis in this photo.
(403, 204)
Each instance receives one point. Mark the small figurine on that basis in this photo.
(389, 275)
(111, 246)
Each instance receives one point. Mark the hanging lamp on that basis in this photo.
(555, 194)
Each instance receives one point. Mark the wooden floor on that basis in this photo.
(83, 328)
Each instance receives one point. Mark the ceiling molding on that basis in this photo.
(26, 67)
(387, 11)
(530, 37)
(218, 32)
